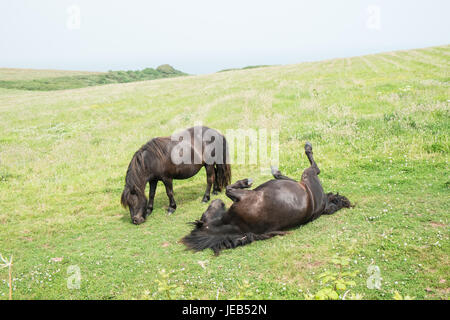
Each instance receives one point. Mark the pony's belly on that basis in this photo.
(185, 171)
(283, 215)
(280, 205)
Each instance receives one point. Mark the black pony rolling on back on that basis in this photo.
(153, 163)
(264, 212)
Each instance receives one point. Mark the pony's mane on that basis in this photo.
(158, 147)
(137, 172)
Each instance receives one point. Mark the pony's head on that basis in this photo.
(135, 200)
(212, 217)
(133, 195)
(214, 232)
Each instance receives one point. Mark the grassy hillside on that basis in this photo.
(379, 125)
(48, 81)
(10, 74)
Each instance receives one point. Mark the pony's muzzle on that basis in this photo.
(138, 220)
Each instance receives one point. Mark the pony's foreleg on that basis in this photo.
(210, 176)
(236, 190)
(169, 192)
(151, 196)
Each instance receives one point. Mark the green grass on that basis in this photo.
(74, 81)
(379, 125)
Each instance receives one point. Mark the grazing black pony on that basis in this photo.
(264, 212)
(153, 163)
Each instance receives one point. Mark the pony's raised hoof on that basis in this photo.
(170, 211)
(274, 170)
(308, 146)
(245, 183)
(206, 199)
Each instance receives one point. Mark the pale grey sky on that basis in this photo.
(203, 36)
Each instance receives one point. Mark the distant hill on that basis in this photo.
(48, 80)
(10, 74)
(245, 68)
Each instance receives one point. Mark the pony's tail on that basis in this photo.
(223, 170)
(199, 240)
(336, 202)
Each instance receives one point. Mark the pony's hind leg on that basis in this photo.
(236, 190)
(309, 154)
(277, 174)
(210, 177)
(216, 187)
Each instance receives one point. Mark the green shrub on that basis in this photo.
(74, 82)
(167, 69)
(335, 282)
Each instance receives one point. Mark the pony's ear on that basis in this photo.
(197, 223)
